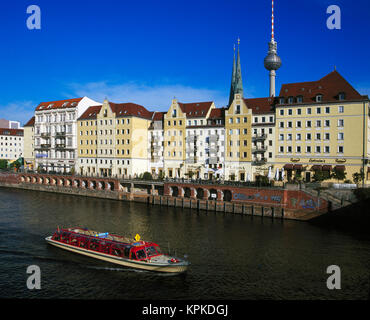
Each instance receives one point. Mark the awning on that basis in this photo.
(288, 166)
(298, 167)
(340, 168)
(316, 167)
(326, 168)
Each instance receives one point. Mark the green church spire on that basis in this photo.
(232, 88)
(238, 77)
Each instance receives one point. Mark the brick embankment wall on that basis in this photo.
(265, 202)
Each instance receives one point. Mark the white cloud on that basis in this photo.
(18, 111)
(152, 97)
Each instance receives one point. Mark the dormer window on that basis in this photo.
(290, 100)
(237, 109)
(299, 99)
(341, 96)
(282, 101)
(319, 98)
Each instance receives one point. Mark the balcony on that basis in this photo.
(43, 146)
(191, 160)
(260, 149)
(60, 146)
(259, 162)
(60, 134)
(259, 137)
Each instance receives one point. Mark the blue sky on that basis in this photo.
(151, 51)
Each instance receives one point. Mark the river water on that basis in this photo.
(232, 256)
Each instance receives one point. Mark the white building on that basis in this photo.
(56, 133)
(11, 143)
(156, 144)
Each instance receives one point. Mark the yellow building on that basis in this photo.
(238, 146)
(28, 144)
(113, 140)
(321, 126)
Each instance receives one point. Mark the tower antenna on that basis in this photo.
(272, 62)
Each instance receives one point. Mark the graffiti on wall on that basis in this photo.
(256, 196)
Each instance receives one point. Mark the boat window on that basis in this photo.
(127, 252)
(117, 251)
(140, 254)
(150, 251)
(133, 256)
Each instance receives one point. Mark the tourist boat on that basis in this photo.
(133, 253)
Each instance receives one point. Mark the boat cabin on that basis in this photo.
(138, 250)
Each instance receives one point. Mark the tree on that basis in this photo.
(3, 164)
(147, 176)
(358, 176)
(321, 175)
(339, 174)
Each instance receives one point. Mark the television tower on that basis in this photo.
(272, 62)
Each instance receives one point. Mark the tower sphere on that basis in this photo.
(272, 61)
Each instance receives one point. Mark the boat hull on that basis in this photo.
(168, 268)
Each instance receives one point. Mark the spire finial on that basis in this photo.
(238, 42)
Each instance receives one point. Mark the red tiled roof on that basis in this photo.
(130, 109)
(68, 103)
(30, 122)
(195, 109)
(11, 132)
(90, 113)
(120, 109)
(261, 105)
(217, 113)
(158, 116)
(329, 87)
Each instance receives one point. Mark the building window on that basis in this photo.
(340, 122)
(290, 100)
(281, 124)
(281, 137)
(299, 111)
(298, 149)
(299, 99)
(299, 124)
(318, 123)
(318, 149)
(318, 110)
(341, 109)
(341, 96)
(327, 123)
(281, 112)
(327, 109)
(308, 136)
(340, 136)
(308, 124)
(309, 111)
(290, 112)
(340, 149)
(318, 98)
(290, 124)
(327, 149)
(298, 137)
(308, 149)
(281, 149)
